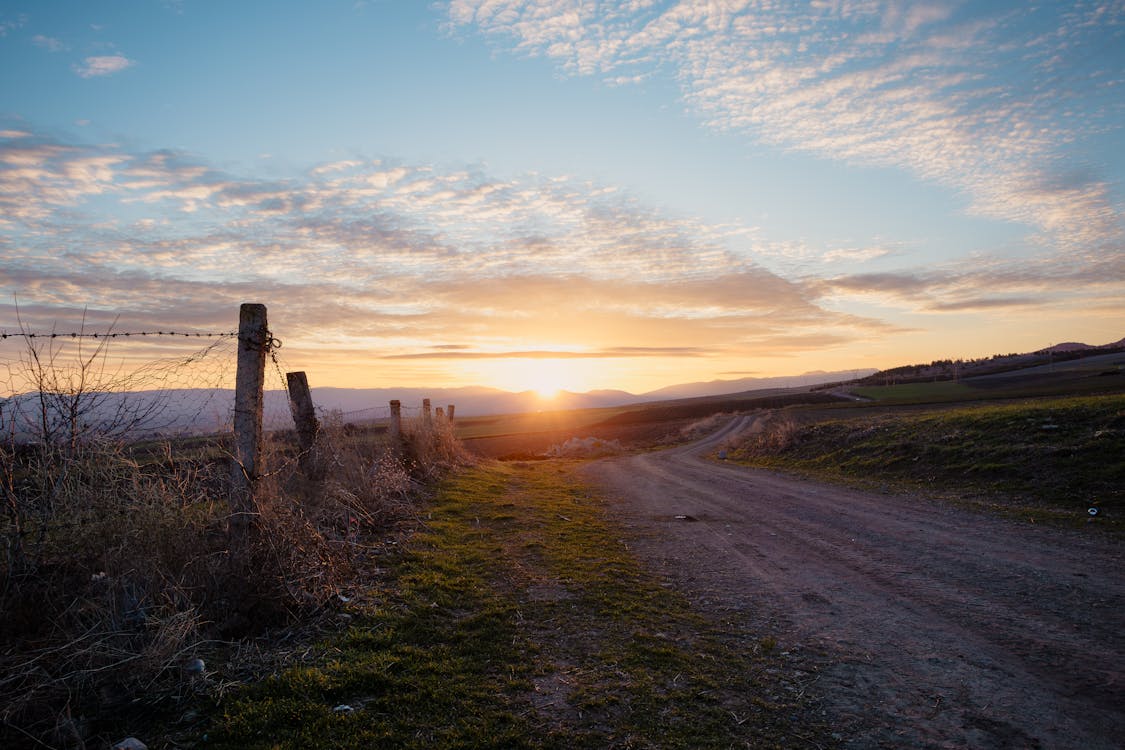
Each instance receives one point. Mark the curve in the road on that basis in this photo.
(949, 628)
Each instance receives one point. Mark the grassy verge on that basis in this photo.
(518, 618)
(1042, 459)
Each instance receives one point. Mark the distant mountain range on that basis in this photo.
(202, 410)
(191, 411)
(476, 401)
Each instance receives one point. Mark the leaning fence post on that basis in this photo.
(250, 376)
(304, 417)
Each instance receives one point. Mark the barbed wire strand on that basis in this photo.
(124, 334)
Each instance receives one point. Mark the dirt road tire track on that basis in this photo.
(942, 627)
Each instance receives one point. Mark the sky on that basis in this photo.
(542, 194)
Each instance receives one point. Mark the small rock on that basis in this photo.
(343, 708)
(130, 743)
(194, 667)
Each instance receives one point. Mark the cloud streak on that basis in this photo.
(102, 65)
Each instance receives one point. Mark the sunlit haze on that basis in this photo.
(569, 195)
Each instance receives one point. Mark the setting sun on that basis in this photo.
(546, 376)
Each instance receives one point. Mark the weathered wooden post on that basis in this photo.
(427, 417)
(250, 377)
(304, 417)
(439, 414)
(395, 430)
(449, 414)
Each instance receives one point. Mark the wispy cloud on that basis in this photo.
(982, 105)
(102, 65)
(404, 255)
(393, 260)
(611, 353)
(48, 43)
(8, 25)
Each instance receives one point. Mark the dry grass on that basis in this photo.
(589, 447)
(777, 434)
(700, 428)
(116, 570)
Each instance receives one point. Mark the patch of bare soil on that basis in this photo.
(931, 626)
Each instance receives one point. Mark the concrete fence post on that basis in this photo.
(304, 417)
(250, 377)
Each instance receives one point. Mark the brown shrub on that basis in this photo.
(116, 570)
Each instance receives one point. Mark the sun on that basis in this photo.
(547, 392)
(546, 377)
(544, 380)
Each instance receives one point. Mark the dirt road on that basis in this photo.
(933, 626)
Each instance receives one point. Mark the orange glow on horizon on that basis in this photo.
(546, 377)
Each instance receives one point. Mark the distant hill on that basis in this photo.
(1074, 346)
(949, 369)
(723, 387)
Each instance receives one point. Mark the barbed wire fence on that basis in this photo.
(49, 377)
(68, 389)
(71, 387)
(159, 487)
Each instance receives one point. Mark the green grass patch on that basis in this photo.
(518, 618)
(1044, 459)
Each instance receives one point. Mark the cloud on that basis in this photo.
(985, 303)
(856, 254)
(8, 25)
(48, 43)
(103, 65)
(981, 101)
(611, 353)
(389, 258)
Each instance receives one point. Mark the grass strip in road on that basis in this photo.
(518, 618)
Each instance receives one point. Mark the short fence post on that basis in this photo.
(395, 430)
(427, 417)
(304, 417)
(449, 414)
(439, 414)
(250, 376)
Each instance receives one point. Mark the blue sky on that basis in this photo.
(578, 194)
